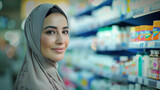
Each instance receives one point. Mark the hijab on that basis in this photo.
(37, 72)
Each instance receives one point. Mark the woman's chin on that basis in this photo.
(56, 59)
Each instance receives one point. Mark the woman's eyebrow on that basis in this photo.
(54, 27)
(66, 27)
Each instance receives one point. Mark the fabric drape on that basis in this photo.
(37, 72)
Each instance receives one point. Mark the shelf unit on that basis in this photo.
(87, 33)
(142, 16)
(122, 78)
(66, 74)
(144, 81)
(89, 11)
(133, 48)
(118, 52)
(145, 45)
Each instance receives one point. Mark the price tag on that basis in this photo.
(145, 81)
(142, 45)
(131, 78)
(151, 44)
(158, 85)
(140, 80)
(146, 9)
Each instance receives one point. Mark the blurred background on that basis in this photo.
(114, 44)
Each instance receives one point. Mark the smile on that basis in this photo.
(58, 50)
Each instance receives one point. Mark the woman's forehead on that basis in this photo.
(56, 19)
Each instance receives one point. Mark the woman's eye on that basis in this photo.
(65, 32)
(50, 32)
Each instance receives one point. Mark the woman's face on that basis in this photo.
(54, 37)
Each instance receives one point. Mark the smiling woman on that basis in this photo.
(54, 38)
(47, 35)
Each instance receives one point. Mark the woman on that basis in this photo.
(46, 32)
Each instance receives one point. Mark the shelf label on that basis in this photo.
(158, 85)
(145, 81)
(131, 78)
(151, 44)
(140, 80)
(142, 45)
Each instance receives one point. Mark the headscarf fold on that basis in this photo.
(37, 72)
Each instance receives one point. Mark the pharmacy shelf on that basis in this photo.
(145, 45)
(112, 76)
(117, 52)
(89, 11)
(101, 72)
(87, 33)
(130, 50)
(133, 48)
(78, 84)
(142, 16)
(67, 74)
(122, 78)
(144, 81)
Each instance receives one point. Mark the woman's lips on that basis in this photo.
(58, 50)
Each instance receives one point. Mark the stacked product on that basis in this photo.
(145, 32)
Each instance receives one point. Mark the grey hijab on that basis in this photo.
(37, 72)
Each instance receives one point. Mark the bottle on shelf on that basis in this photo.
(137, 33)
(145, 64)
(140, 65)
(155, 65)
(138, 61)
(132, 34)
(148, 33)
(151, 56)
(142, 33)
(156, 30)
(123, 60)
(133, 67)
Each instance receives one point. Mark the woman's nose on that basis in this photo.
(60, 39)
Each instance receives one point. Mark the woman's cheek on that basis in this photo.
(44, 41)
(67, 40)
(49, 41)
